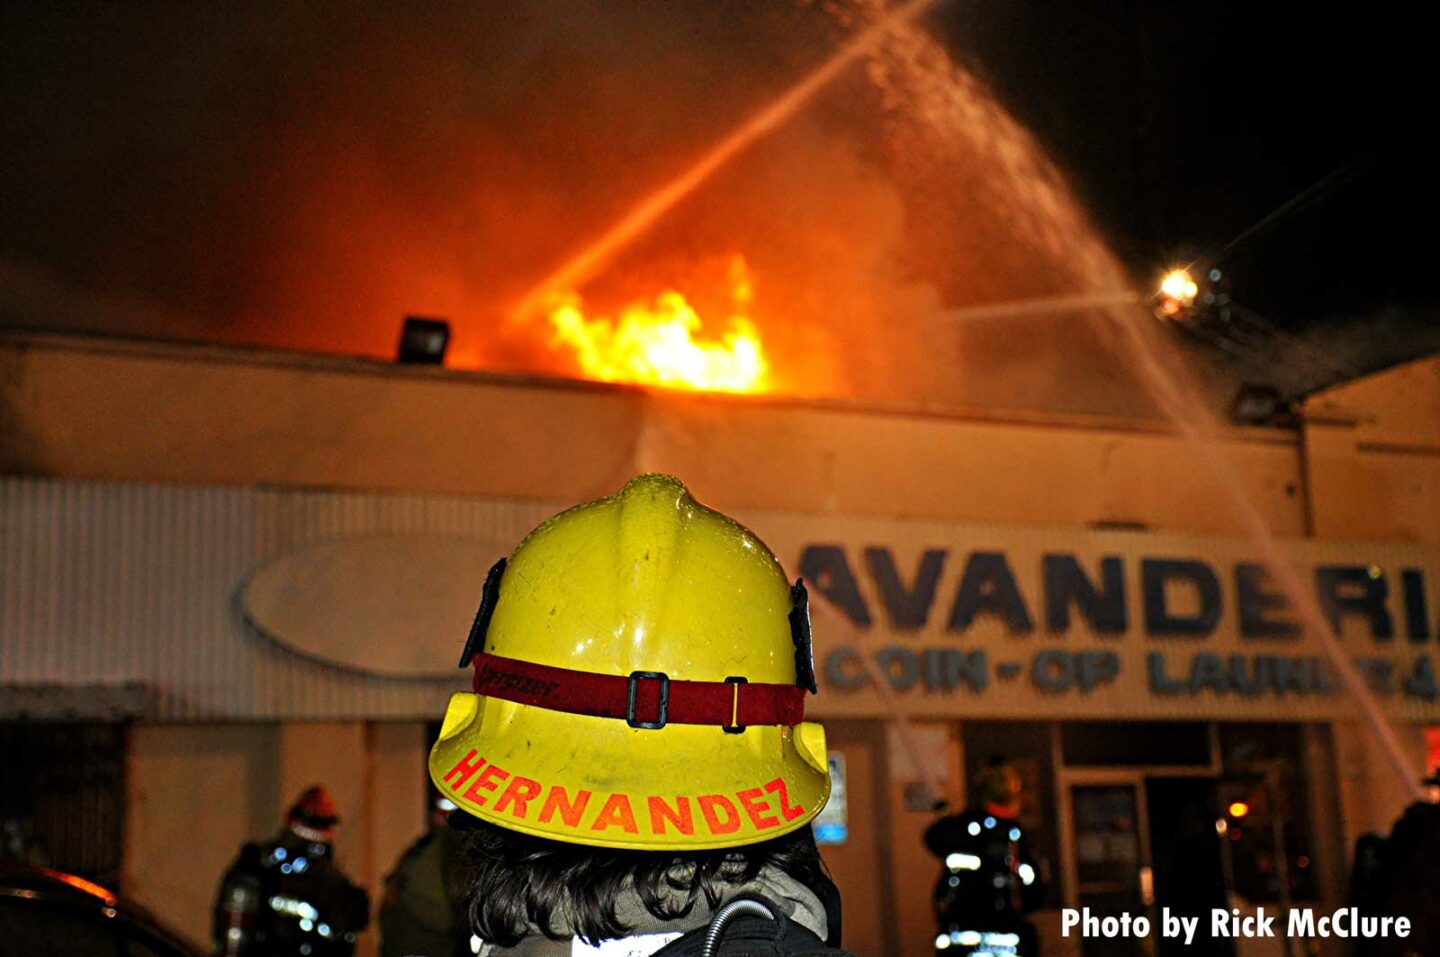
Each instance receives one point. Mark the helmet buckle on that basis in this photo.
(662, 712)
(735, 682)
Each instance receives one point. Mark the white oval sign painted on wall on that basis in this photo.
(393, 606)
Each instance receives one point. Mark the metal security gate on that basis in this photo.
(62, 796)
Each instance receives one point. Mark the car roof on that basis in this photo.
(58, 887)
(54, 884)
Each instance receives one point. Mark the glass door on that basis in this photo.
(1110, 856)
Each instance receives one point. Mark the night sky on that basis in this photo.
(1180, 127)
(1183, 125)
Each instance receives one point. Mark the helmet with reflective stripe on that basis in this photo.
(313, 815)
(641, 664)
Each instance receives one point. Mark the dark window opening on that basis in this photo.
(1136, 743)
(62, 797)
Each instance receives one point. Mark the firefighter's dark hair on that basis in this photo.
(513, 882)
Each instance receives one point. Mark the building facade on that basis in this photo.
(227, 575)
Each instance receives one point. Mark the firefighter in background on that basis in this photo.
(421, 911)
(988, 882)
(286, 897)
(634, 764)
(1398, 877)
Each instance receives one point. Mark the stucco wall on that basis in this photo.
(176, 845)
(147, 413)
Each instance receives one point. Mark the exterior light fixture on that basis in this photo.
(423, 341)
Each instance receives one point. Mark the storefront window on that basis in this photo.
(1107, 841)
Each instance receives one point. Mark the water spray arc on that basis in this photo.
(1129, 329)
(1135, 332)
(1046, 306)
(589, 260)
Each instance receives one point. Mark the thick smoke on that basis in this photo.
(305, 175)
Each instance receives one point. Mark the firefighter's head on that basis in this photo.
(640, 668)
(998, 788)
(313, 815)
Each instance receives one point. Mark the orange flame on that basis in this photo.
(655, 342)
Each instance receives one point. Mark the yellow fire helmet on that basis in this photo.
(641, 665)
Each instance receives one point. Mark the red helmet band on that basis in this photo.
(645, 699)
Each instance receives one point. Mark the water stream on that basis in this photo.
(947, 111)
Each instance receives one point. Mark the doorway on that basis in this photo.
(1139, 843)
(1188, 864)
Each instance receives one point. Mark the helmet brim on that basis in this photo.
(600, 782)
